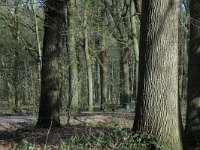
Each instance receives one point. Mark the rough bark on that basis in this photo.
(193, 99)
(50, 75)
(157, 105)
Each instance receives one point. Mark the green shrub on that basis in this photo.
(117, 139)
(111, 139)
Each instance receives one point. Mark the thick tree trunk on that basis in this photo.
(157, 105)
(50, 75)
(71, 45)
(193, 99)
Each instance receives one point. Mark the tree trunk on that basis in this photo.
(17, 108)
(157, 105)
(193, 99)
(71, 45)
(16, 64)
(103, 74)
(88, 60)
(183, 62)
(125, 95)
(50, 75)
(38, 43)
(135, 44)
(99, 83)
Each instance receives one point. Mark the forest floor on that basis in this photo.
(15, 128)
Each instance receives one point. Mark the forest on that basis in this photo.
(100, 74)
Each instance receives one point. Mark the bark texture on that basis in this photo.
(50, 75)
(88, 60)
(193, 99)
(157, 104)
(71, 45)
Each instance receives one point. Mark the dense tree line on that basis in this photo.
(134, 54)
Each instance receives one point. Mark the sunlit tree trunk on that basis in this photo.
(50, 75)
(157, 105)
(134, 25)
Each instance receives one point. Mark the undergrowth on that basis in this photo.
(112, 139)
